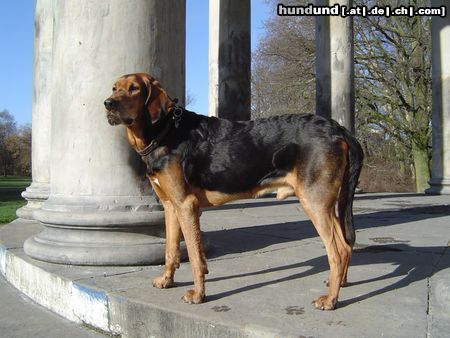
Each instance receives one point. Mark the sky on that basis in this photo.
(16, 53)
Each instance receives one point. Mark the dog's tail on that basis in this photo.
(351, 176)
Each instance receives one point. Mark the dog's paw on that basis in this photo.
(192, 297)
(325, 303)
(162, 282)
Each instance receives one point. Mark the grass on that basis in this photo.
(10, 199)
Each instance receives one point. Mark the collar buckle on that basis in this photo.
(177, 112)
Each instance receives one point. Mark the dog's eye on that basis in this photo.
(113, 89)
(133, 88)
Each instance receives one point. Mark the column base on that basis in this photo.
(35, 194)
(99, 230)
(438, 186)
(129, 246)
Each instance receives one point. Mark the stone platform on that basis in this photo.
(266, 265)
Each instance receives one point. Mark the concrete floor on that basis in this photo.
(266, 266)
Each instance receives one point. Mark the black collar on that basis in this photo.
(171, 118)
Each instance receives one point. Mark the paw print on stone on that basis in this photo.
(222, 308)
(295, 310)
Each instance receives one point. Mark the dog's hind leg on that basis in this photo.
(317, 185)
(345, 250)
(172, 255)
(327, 226)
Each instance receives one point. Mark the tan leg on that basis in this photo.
(345, 252)
(173, 233)
(327, 226)
(328, 236)
(317, 186)
(344, 249)
(172, 187)
(188, 215)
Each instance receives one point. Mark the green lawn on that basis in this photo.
(10, 199)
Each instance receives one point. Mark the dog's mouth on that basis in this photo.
(115, 119)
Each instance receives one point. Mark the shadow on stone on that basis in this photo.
(413, 262)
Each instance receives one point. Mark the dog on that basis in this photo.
(194, 161)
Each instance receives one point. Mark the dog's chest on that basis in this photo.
(157, 161)
(155, 181)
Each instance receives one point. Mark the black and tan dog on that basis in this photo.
(196, 161)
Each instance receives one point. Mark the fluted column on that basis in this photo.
(101, 210)
(39, 189)
(440, 174)
(229, 59)
(335, 89)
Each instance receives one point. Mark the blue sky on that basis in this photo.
(16, 53)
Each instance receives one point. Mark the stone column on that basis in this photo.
(440, 31)
(101, 210)
(229, 59)
(335, 88)
(39, 189)
(322, 64)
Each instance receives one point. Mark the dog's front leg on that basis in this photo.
(172, 256)
(188, 216)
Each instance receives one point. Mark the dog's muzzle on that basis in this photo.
(113, 118)
(113, 115)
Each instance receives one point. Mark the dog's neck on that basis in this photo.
(139, 134)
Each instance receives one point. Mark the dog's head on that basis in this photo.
(134, 95)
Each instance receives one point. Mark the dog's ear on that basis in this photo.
(151, 106)
(148, 83)
(157, 99)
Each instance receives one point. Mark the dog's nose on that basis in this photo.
(110, 104)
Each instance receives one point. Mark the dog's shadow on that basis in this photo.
(413, 263)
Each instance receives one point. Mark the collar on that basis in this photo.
(174, 117)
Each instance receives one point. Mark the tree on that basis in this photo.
(15, 146)
(19, 147)
(283, 67)
(7, 128)
(393, 81)
(189, 99)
